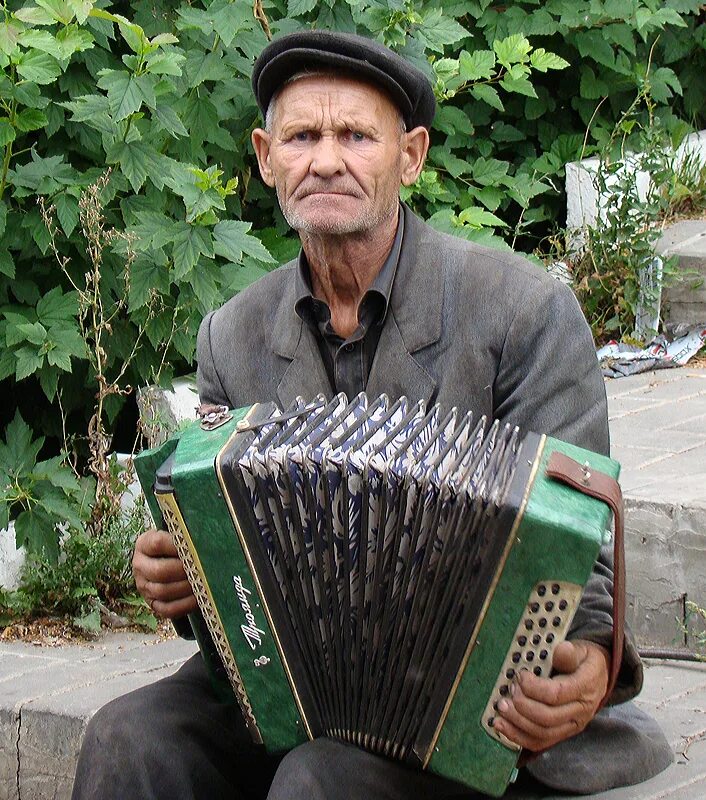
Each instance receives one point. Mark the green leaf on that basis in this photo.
(231, 19)
(145, 277)
(56, 503)
(518, 86)
(38, 67)
(59, 9)
(81, 8)
(19, 449)
(90, 621)
(542, 60)
(33, 15)
(437, 30)
(203, 66)
(7, 132)
(65, 341)
(7, 264)
(49, 381)
(480, 218)
(165, 38)
(30, 119)
(73, 40)
(592, 88)
(489, 172)
(512, 50)
(125, 95)
(154, 229)
(32, 332)
(296, 8)
(28, 362)
(67, 212)
(231, 239)
(488, 94)
(161, 63)
(190, 242)
(137, 161)
(203, 282)
(450, 119)
(36, 530)
(41, 40)
(55, 307)
(455, 166)
(168, 119)
(477, 65)
(57, 473)
(9, 35)
(594, 45)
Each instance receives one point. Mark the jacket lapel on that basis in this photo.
(414, 319)
(305, 375)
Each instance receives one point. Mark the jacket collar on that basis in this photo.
(414, 321)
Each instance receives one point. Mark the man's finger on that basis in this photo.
(158, 570)
(166, 592)
(156, 544)
(175, 608)
(532, 716)
(567, 657)
(543, 739)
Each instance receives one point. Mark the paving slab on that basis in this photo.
(48, 694)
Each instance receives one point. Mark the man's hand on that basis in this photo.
(543, 711)
(160, 577)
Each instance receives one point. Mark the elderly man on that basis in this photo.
(377, 301)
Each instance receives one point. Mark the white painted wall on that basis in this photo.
(583, 205)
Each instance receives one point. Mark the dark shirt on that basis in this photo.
(348, 361)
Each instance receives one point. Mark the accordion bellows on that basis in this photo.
(378, 572)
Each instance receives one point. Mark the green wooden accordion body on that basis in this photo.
(378, 572)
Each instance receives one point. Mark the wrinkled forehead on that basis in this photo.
(332, 92)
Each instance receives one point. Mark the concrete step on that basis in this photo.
(658, 433)
(684, 297)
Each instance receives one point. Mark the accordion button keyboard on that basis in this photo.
(540, 645)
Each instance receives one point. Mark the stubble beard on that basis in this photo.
(369, 217)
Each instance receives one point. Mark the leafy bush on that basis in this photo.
(159, 92)
(39, 495)
(92, 578)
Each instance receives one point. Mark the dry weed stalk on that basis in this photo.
(98, 310)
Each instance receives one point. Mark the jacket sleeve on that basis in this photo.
(549, 381)
(207, 379)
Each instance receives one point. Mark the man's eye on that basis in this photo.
(302, 136)
(357, 136)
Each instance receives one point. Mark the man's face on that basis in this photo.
(334, 154)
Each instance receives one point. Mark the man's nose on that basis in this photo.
(327, 157)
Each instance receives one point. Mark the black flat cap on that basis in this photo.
(408, 87)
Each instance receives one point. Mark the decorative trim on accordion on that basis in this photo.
(253, 571)
(176, 526)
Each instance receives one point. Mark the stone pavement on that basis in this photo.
(658, 425)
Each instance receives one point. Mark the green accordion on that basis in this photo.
(377, 571)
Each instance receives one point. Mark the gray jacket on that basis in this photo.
(466, 326)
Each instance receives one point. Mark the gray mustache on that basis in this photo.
(326, 188)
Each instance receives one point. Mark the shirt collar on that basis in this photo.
(381, 287)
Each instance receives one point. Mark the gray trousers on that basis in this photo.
(174, 739)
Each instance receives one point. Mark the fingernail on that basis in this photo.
(513, 687)
(503, 706)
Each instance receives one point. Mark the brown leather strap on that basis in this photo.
(602, 487)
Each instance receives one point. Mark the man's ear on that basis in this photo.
(415, 144)
(261, 145)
